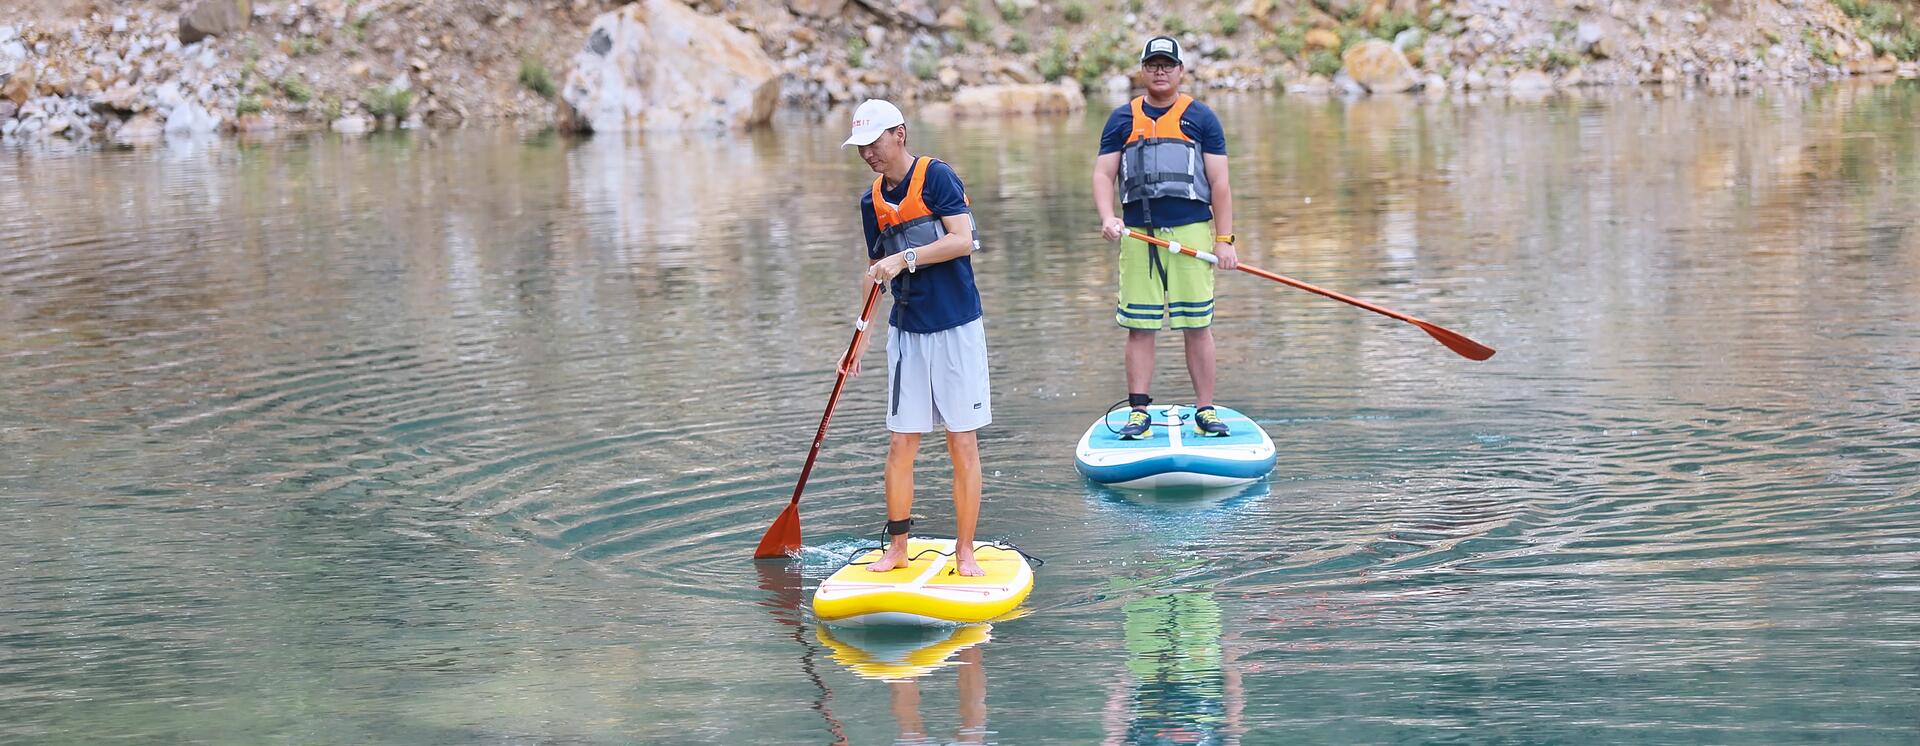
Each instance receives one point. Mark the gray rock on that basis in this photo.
(139, 130)
(7, 109)
(213, 18)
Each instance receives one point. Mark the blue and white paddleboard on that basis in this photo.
(1175, 454)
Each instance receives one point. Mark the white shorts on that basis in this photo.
(938, 379)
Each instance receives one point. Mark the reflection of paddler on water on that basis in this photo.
(898, 656)
(1185, 687)
(785, 599)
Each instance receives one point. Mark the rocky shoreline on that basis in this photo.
(88, 73)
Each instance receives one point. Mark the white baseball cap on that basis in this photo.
(872, 118)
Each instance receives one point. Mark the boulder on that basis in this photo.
(214, 18)
(817, 8)
(1322, 39)
(19, 87)
(1378, 66)
(658, 65)
(991, 100)
(140, 130)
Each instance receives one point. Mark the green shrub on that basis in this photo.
(535, 77)
(1391, 24)
(977, 24)
(387, 102)
(856, 51)
(1323, 62)
(1227, 21)
(303, 46)
(1075, 12)
(1053, 62)
(1287, 41)
(1011, 12)
(1561, 59)
(1019, 44)
(248, 105)
(295, 89)
(925, 64)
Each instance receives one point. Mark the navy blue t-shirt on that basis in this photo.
(1198, 123)
(939, 296)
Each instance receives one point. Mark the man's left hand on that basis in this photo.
(888, 268)
(1228, 259)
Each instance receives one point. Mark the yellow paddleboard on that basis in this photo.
(926, 590)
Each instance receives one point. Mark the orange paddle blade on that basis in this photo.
(782, 539)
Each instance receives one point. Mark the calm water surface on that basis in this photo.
(463, 438)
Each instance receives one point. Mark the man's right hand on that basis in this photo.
(1113, 228)
(850, 366)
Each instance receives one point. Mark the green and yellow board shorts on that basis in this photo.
(1182, 294)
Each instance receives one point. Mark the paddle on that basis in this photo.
(783, 537)
(1453, 340)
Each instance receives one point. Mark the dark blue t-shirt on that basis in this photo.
(1198, 123)
(939, 296)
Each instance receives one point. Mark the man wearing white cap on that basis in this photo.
(920, 234)
(1168, 155)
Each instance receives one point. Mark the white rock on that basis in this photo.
(12, 52)
(350, 125)
(1530, 81)
(1119, 84)
(1408, 39)
(119, 24)
(189, 120)
(659, 65)
(7, 33)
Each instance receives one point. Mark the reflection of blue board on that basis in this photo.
(1175, 454)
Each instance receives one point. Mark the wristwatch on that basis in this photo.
(910, 265)
(1225, 238)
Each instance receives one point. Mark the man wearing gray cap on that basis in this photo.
(1168, 155)
(920, 235)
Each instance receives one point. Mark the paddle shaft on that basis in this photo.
(839, 384)
(1453, 340)
(784, 534)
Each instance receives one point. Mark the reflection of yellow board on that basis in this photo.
(894, 654)
(925, 591)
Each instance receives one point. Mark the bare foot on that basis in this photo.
(963, 563)
(894, 557)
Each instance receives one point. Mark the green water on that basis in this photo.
(463, 438)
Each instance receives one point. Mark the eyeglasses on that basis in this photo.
(1160, 68)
